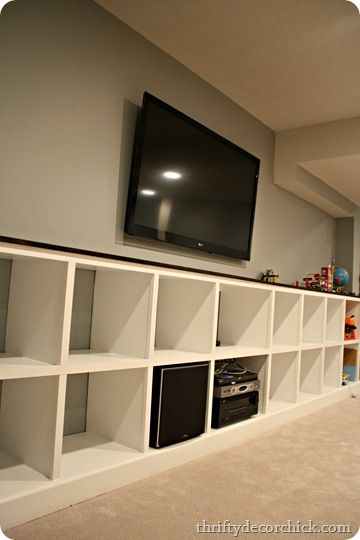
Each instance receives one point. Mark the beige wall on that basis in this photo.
(72, 77)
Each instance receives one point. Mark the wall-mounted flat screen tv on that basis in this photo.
(190, 186)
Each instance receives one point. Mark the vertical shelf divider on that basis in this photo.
(209, 401)
(69, 294)
(147, 395)
(150, 347)
(59, 426)
(269, 360)
(215, 322)
(301, 319)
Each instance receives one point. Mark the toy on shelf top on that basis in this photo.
(330, 279)
(322, 281)
(341, 277)
(269, 276)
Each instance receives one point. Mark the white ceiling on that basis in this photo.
(290, 63)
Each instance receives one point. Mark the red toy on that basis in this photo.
(320, 282)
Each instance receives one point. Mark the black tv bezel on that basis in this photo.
(132, 228)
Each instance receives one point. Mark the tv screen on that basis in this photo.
(190, 186)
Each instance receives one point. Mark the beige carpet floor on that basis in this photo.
(308, 469)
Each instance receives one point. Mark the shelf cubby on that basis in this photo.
(28, 408)
(287, 309)
(335, 320)
(333, 359)
(105, 418)
(185, 316)
(110, 317)
(243, 329)
(352, 309)
(311, 373)
(313, 330)
(32, 306)
(284, 379)
(351, 361)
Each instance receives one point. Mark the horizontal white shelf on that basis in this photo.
(17, 478)
(307, 396)
(308, 346)
(91, 361)
(231, 351)
(328, 389)
(85, 453)
(351, 342)
(275, 406)
(20, 367)
(169, 356)
(333, 343)
(275, 349)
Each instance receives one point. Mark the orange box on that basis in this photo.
(349, 365)
(350, 357)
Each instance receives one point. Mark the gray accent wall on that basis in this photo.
(344, 246)
(72, 79)
(347, 248)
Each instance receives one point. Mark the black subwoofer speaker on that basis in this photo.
(178, 405)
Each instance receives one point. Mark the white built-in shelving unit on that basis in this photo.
(79, 337)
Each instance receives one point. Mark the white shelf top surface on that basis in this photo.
(278, 349)
(351, 342)
(169, 356)
(88, 360)
(328, 389)
(275, 406)
(14, 367)
(333, 343)
(312, 345)
(238, 351)
(8, 250)
(307, 396)
(17, 478)
(86, 453)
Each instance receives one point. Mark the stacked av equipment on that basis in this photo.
(236, 394)
(178, 405)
